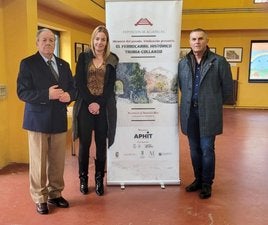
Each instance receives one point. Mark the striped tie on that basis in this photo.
(49, 63)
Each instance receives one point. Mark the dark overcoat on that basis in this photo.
(107, 99)
(34, 79)
(216, 87)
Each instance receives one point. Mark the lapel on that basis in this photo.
(42, 65)
(206, 66)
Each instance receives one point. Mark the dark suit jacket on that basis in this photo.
(34, 79)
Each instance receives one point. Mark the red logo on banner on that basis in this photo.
(143, 21)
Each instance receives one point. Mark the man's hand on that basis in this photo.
(54, 92)
(65, 97)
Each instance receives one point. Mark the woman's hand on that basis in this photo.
(94, 108)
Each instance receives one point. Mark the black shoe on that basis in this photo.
(205, 191)
(84, 185)
(196, 185)
(59, 202)
(42, 208)
(99, 184)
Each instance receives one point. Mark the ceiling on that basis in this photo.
(69, 11)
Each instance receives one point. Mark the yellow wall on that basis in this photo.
(18, 38)
(231, 24)
(210, 4)
(3, 102)
(88, 8)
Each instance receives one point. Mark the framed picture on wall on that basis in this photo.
(184, 52)
(85, 47)
(78, 48)
(233, 54)
(213, 49)
(260, 1)
(258, 65)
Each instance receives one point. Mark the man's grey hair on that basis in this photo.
(41, 31)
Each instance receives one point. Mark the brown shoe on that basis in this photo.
(42, 208)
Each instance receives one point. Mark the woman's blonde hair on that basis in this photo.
(97, 30)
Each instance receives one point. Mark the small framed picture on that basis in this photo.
(260, 1)
(213, 49)
(184, 52)
(85, 47)
(78, 48)
(233, 54)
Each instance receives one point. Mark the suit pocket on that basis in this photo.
(35, 108)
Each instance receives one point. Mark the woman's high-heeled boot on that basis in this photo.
(83, 184)
(99, 184)
(99, 174)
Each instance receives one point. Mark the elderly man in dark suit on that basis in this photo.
(205, 81)
(45, 84)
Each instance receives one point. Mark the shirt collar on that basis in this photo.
(53, 59)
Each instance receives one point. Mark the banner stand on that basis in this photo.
(145, 35)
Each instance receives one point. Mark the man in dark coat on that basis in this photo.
(205, 82)
(45, 84)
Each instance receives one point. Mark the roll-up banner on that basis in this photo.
(145, 35)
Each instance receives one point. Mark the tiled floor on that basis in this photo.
(240, 192)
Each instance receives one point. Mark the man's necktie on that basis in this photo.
(49, 63)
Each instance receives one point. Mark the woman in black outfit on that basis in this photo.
(95, 108)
